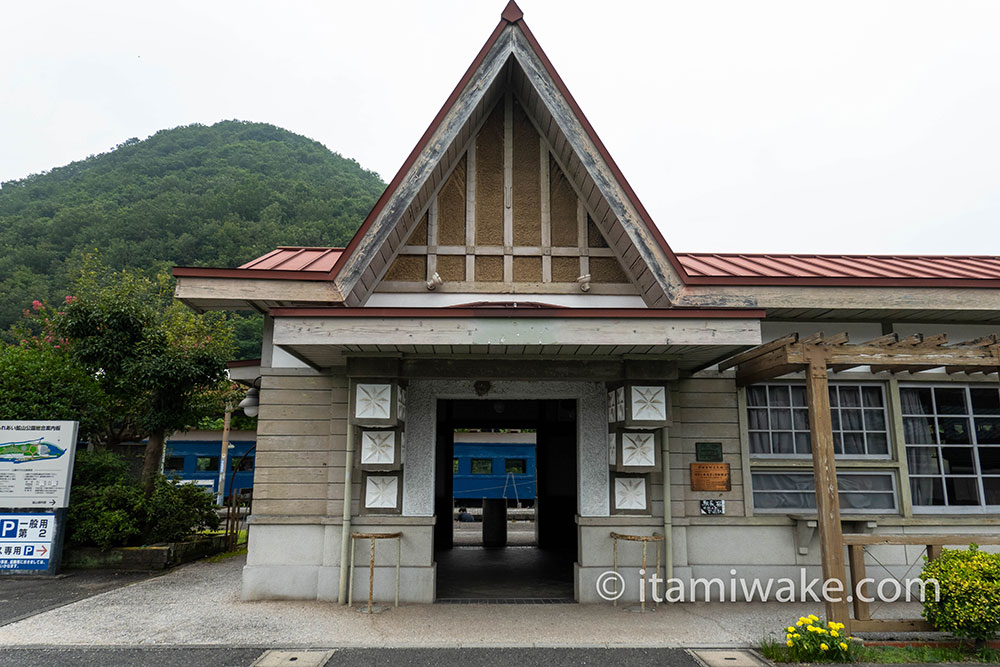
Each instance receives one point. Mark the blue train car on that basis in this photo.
(194, 458)
(494, 465)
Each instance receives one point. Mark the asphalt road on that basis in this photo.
(21, 597)
(243, 657)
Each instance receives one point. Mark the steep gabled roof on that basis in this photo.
(512, 57)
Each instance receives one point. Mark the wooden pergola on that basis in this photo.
(818, 354)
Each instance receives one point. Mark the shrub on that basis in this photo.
(108, 507)
(810, 640)
(968, 603)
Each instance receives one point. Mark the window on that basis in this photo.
(515, 466)
(208, 464)
(454, 466)
(778, 420)
(174, 464)
(860, 492)
(482, 466)
(245, 464)
(952, 436)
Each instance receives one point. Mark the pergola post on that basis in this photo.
(831, 539)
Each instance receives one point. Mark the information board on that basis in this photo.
(26, 541)
(36, 463)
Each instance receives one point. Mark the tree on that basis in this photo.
(151, 355)
(41, 380)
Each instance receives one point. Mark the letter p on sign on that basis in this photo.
(8, 528)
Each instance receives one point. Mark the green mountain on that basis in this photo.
(189, 196)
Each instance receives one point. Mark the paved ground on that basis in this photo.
(21, 597)
(198, 605)
(243, 657)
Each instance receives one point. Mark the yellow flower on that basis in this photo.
(843, 646)
(790, 642)
(824, 647)
(800, 623)
(796, 636)
(814, 617)
(791, 629)
(833, 633)
(831, 624)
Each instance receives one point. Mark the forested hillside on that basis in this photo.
(190, 196)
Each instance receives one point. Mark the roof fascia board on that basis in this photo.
(423, 160)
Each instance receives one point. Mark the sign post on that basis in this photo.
(36, 470)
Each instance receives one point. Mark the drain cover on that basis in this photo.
(727, 658)
(293, 659)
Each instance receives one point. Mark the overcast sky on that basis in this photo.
(782, 126)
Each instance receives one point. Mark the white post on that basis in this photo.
(220, 500)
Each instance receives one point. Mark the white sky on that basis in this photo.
(783, 126)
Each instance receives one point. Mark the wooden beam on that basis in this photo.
(836, 339)
(825, 472)
(758, 351)
(895, 368)
(887, 339)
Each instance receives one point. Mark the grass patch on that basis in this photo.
(778, 652)
(227, 554)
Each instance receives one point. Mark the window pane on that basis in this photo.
(867, 501)
(800, 420)
(454, 466)
(792, 490)
(985, 401)
(874, 420)
(957, 461)
(757, 420)
(991, 486)
(802, 444)
(799, 396)
(988, 430)
(854, 444)
(950, 401)
(482, 466)
(834, 402)
(208, 464)
(872, 397)
(916, 401)
(760, 443)
(923, 460)
(850, 397)
(781, 443)
(515, 466)
(850, 420)
(954, 431)
(244, 464)
(926, 491)
(838, 443)
(962, 490)
(781, 420)
(919, 431)
(174, 464)
(854, 482)
(878, 444)
(778, 395)
(989, 460)
(757, 395)
(835, 419)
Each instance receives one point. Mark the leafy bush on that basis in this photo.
(968, 604)
(109, 509)
(810, 640)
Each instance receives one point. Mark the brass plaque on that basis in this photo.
(710, 477)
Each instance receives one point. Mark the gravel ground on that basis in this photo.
(199, 605)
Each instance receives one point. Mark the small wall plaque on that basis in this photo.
(708, 452)
(713, 507)
(710, 477)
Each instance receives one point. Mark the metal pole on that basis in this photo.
(224, 455)
(345, 535)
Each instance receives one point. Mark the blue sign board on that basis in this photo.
(26, 541)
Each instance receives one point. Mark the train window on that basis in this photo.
(174, 464)
(515, 466)
(245, 464)
(454, 466)
(208, 464)
(482, 466)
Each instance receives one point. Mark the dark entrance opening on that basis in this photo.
(518, 571)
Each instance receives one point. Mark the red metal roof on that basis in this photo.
(848, 267)
(297, 258)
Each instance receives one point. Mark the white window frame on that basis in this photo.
(886, 413)
(982, 508)
(885, 472)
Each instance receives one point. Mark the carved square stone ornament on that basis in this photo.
(612, 449)
(637, 450)
(647, 405)
(380, 449)
(630, 494)
(382, 493)
(401, 403)
(377, 403)
(620, 404)
(612, 407)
